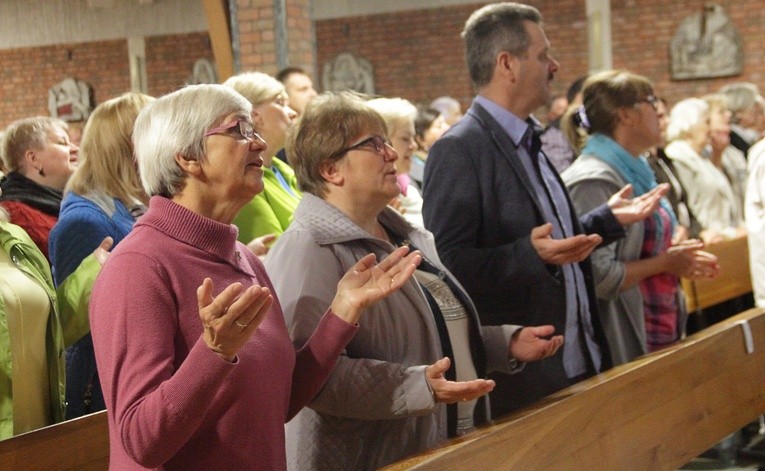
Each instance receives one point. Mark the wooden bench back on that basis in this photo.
(658, 412)
(734, 280)
(79, 444)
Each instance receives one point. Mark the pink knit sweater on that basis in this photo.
(172, 403)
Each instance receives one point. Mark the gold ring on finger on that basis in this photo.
(243, 326)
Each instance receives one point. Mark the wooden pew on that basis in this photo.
(734, 280)
(79, 444)
(658, 412)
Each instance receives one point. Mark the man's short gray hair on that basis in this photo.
(493, 29)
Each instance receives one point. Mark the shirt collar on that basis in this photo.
(514, 126)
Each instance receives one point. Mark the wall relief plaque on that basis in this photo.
(348, 72)
(706, 45)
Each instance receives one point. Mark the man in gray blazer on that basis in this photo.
(503, 221)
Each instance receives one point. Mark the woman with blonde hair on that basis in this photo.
(636, 278)
(39, 159)
(270, 211)
(399, 115)
(103, 199)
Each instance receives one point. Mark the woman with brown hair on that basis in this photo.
(637, 277)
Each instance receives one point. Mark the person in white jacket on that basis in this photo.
(754, 214)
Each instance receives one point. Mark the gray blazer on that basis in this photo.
(377, 406)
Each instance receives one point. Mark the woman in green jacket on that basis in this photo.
(32, 379)
(270, 211)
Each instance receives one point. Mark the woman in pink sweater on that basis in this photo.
(197, 368)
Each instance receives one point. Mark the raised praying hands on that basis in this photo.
(562, 251)
(628, 210)
(368, 282)
(231, 318)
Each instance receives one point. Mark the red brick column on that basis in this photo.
(257, 27)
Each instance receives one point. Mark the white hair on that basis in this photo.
(396, 112)
(175, 125)
(685, 116)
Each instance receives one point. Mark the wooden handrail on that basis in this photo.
(79, 444)
(734, 280)
(658, 412)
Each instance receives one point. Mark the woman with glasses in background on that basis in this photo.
(415, 372)
(636, 278)
(269, 213)
(196, 366)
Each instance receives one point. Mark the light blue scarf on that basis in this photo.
(633, 170)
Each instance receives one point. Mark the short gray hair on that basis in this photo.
(741, 96)
(175, 125)
(493, 29)
(685, 116)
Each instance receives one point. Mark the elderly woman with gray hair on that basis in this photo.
(711, 197)
(196, 366)
(414, 373)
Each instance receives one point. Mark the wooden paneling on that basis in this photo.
(81, 444)
(734, 280)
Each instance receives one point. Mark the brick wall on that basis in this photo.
(257, 49)
(27, 74)
(419, 55)
(170, 60)
(643, 30)
(416, 54)
(256, 27)
(302, 50)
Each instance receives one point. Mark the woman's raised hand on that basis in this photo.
(230, 318)
(366, 282)
(687, 260)
(628, 210)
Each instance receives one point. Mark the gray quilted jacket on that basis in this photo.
(376, 407)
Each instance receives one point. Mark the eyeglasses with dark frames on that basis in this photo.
(240, 126)
(378, 144)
